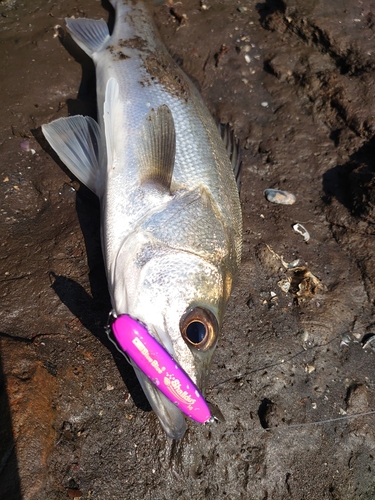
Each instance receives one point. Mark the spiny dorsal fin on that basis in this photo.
(157, 147)
(231, 144)
(78, 142)
(89, 34)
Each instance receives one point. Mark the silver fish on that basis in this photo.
(170, 212)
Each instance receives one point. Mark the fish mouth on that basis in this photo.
(171, 418)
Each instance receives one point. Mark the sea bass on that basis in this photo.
(170, 213)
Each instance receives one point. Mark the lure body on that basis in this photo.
(156, 363)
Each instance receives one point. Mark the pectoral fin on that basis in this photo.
(77, 141)
(157, 148)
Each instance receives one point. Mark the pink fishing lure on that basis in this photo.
(159, 366)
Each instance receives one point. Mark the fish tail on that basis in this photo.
(89, 34)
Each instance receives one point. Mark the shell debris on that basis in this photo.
(368, 341)
(279, 196)
(302, 231)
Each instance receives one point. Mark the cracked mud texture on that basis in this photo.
(295, 79)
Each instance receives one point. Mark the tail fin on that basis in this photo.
(89, 34)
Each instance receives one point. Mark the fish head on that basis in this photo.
(180, 297)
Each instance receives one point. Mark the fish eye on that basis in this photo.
(200, 328)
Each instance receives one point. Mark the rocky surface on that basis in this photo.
(295, 363)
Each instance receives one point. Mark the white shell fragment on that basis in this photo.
(345, 340)
(301, 230)
(368, 341)
(284, 285)
(279, 196)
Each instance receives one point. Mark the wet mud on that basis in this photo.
(293, 373)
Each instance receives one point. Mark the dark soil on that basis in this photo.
(292, 371)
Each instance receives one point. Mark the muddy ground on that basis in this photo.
(295, 79)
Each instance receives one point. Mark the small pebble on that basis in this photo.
(309, 368)
(305, 336)
(280, 197)
(25, 145)
(56, 28)
(247, 58)
(74, 493)
(301, 230)
(264, 103)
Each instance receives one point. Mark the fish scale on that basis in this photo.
(170, 213)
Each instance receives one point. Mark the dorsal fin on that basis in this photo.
(157, 148)
(231, 144)
(89, 34)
